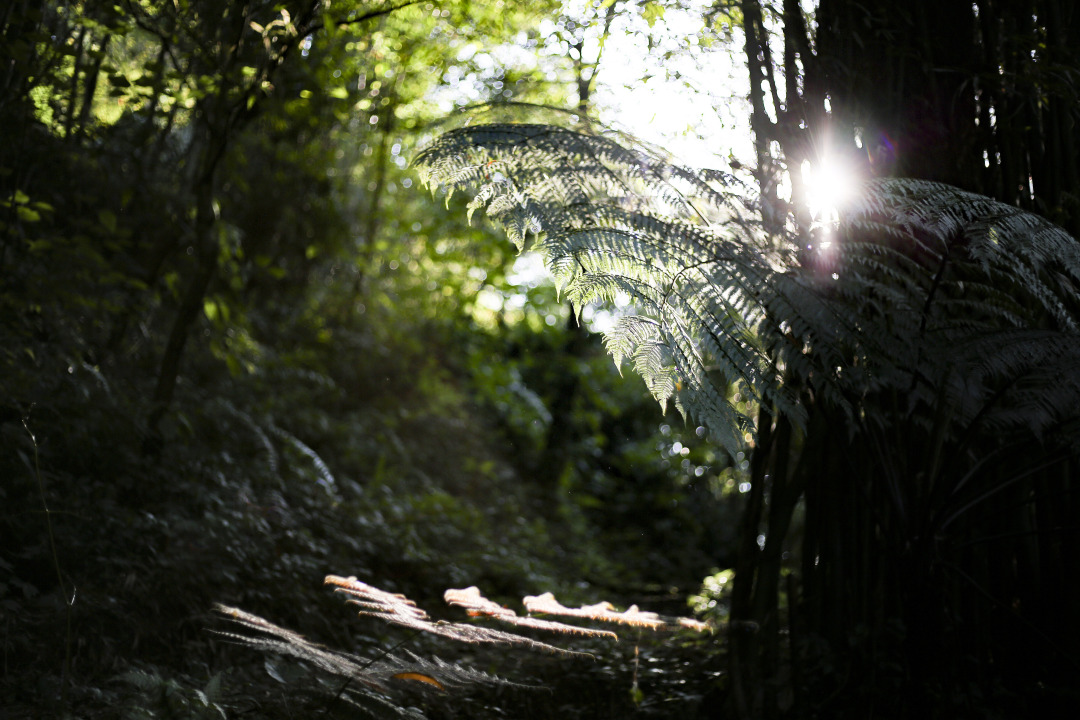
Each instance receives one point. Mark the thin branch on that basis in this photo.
(317, 25)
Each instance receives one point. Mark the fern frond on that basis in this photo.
(918, 275)
(613, 221)
(326, 478)
(261, 437)
(265, 636)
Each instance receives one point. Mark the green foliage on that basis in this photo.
(161, 698)
(609, 221)
(176, 183)
(713, 600)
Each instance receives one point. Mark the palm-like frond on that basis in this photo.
(920, 282)
(982, 302)
(546, 604)
(611, 220)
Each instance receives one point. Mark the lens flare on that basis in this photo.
(829, 184)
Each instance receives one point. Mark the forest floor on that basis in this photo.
(146, 546)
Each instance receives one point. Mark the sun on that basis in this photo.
(829, 184)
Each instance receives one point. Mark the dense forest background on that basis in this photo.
(242, 349)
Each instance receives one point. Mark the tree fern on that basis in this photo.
(914, 366)
(612, 220)
(922, 288)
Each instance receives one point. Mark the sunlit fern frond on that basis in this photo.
(893, 301)
(548, 165)
(476, 605)
(612, 221)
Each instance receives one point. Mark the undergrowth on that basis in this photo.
(265, 483)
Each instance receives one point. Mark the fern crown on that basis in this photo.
(926, 291)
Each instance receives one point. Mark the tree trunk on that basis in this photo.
(191, 304)
(745, 696)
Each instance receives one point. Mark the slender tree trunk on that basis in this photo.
(555, 457)
(765, 171)
(191, 304)
(73, 92)
(745, 687)
(370, 227)
(90, 87)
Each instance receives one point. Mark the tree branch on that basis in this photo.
(317, 25)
